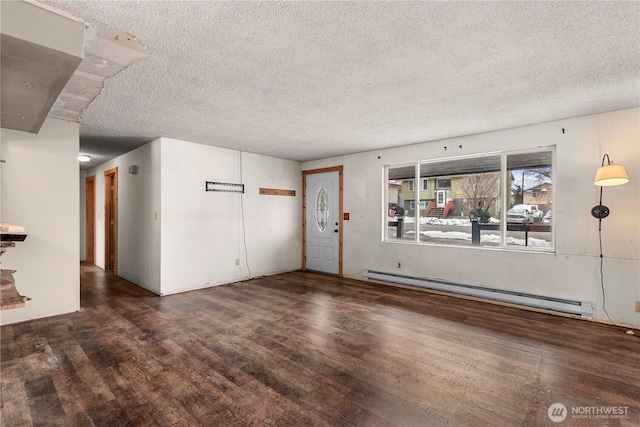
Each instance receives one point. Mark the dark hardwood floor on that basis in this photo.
(303, 349)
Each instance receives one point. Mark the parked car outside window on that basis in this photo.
(536, 213)
(519, 216)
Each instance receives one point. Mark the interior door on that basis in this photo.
(322, 222)
(111, 219)
(90, 198)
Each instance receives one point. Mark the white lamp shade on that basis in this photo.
(610, 175)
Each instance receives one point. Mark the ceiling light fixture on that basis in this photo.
(83, 158)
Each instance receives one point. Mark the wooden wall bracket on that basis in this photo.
(277, 192)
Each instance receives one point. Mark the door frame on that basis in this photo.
(107, 264)
(338, 169)
(90, 218)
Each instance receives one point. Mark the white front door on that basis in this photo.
(440, 198)
(322, 222)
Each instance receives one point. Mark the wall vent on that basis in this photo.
(580, 308)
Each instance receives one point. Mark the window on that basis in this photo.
(400, 194)
(443, 184)
(527, 172)
(498, 200)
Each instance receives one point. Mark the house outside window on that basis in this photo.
(412, 205)
(539, 195)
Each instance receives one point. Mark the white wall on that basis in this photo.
(273, 223)
(138, 215)
(83, 215)
(202, 232)
(173, 236)
(573, 271)
(40, 192)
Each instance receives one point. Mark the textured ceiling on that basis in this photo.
(308, 80)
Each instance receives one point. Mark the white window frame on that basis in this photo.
(503, 201)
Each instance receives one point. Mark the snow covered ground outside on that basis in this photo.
(484, 238)
(462, 222)
(457, 222)
(489, 238)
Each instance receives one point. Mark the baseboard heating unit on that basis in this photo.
(580, 308)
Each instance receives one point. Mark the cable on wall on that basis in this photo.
(244, 230)
(604, 295)
(607, 175)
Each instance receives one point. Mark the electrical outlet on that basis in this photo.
(637, 306)
(399, 265)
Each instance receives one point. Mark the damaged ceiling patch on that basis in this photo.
(54, 64)
(107, 51)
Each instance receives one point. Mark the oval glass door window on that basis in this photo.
(322, 209)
